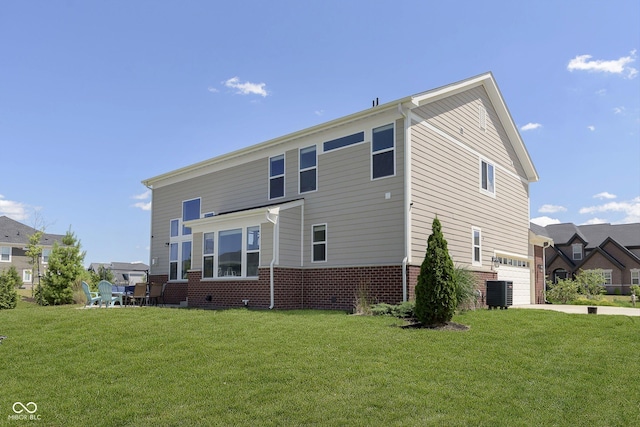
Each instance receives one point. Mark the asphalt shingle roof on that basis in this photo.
(13, 232)
(627, 235)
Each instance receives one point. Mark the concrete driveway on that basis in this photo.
(582, 309)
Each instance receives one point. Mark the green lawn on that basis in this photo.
(177, 367)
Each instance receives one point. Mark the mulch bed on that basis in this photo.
(447, 326)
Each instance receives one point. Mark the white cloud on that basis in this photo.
(212, 89)
(319, 112)
(551, 209)
(630, 209)
(601, 92)
(618, 110)
(543, 221)
(142, 196)
(530, 126)
(595, 221)
(591, 128)
(12, 209)
(604, 195)
(246, 88)
(145, 206)
(614, 66)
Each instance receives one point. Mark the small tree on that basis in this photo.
(34, 253)
(563, 292)
(435, 291)
(9, 281)
(102, 274)
(65, 266)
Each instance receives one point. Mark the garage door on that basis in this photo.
(520, 276)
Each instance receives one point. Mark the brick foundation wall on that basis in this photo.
(337, 288)
(296, 288)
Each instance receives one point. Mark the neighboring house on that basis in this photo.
(124, 273)
(14, 240)
(309, 219)
(614, 249)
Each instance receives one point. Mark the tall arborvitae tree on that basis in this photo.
(64, 268)
(435, 292)
(9, 281)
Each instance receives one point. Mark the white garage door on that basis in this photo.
(521, 279)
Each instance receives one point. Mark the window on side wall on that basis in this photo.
(308, 169)
(576, 250)
(635, 277)
(45, 255)
(319, 243)
(5, 254)
(606, 277)
(190, 211)
(476, 249)
(208, 253)
(27, 276)
(230, 253)
(253, 251)
(383, 152)
(276, 177)
(487, 178)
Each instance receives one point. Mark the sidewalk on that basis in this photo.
(582, 309)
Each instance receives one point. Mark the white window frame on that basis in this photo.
(184, 236)
(574, 253)
(474, 261)
(27, 275)
(489, 167)
(301, 169)
(211, 254)
(46, 253)
(324, 242)
(635, 272)
(244, 227)
(3, 253)
(283, 176)
(384, 150)
(607, 277)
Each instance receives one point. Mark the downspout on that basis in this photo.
(273, 260)
(407, 201)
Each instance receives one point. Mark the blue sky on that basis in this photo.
(97, 96)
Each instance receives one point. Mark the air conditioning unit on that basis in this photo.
(499, 293)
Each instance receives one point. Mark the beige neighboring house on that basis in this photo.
(313, 218)
(14, 240)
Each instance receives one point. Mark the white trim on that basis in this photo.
(470, 150)
(325, 242)
(573, 251)
(637, 272)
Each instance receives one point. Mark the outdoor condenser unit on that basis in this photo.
(499, 293)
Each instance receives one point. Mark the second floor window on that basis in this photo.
(5, 253)
(276, 177)
(576, 249)
(487, 177)
(308, 169)
(383, 152)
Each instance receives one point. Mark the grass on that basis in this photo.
(174, 367)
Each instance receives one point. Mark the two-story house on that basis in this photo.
(614, 249)
(307, 219)
(14, 240)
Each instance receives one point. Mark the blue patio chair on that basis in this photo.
(105, 289)
(92, 297)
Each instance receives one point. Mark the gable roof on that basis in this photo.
(13, 232)
(627, 235)
(240, 156)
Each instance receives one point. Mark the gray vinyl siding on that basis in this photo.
(446, 182)
(363, 228)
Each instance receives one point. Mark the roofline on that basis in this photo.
(413, 101)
